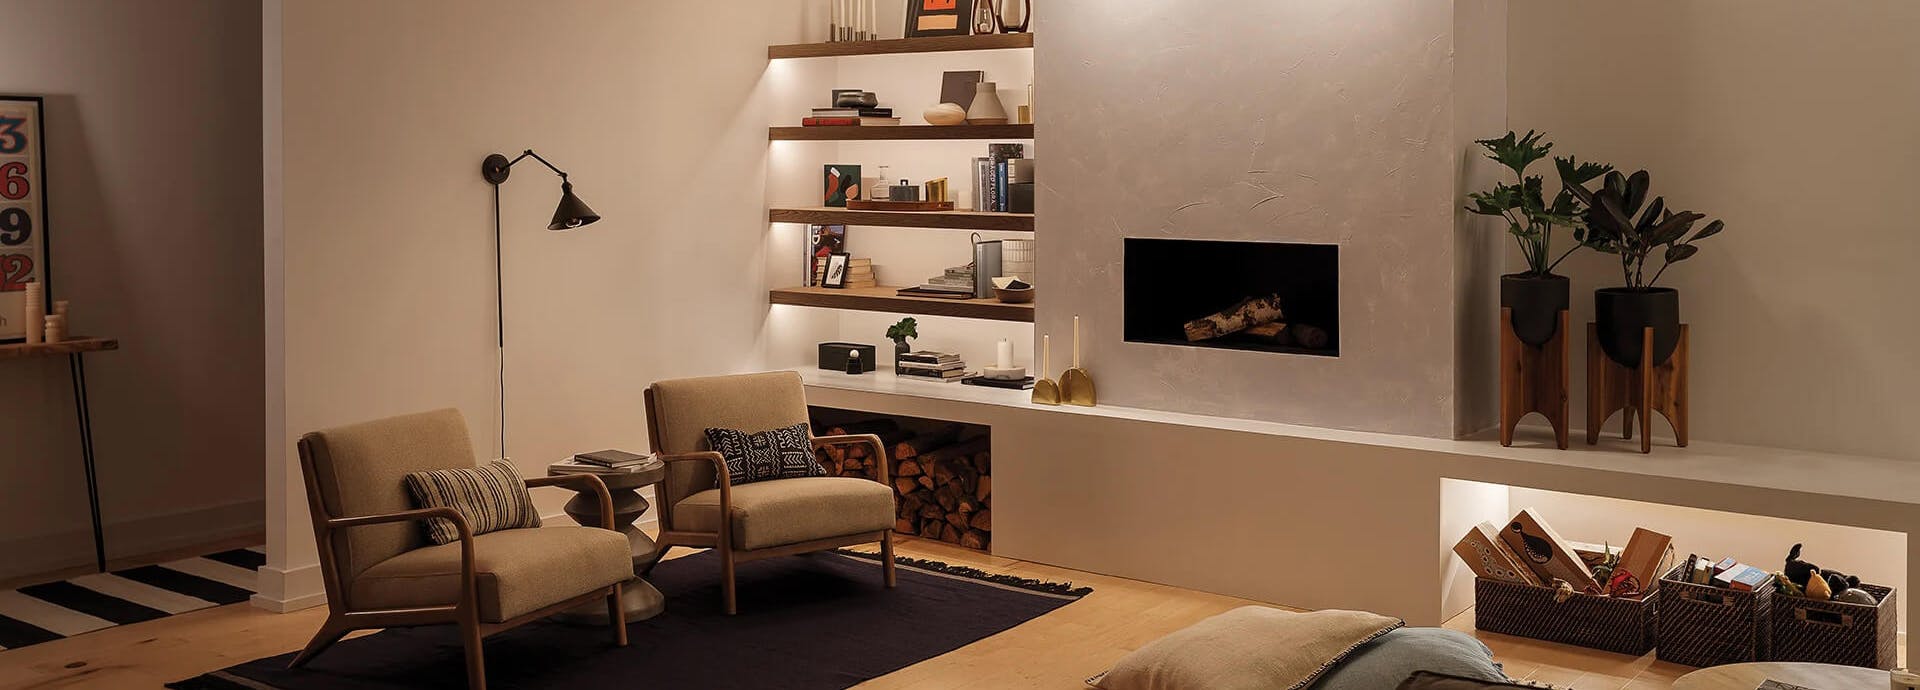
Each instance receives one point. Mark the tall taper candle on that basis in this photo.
(1076, 341)
(1046, 356)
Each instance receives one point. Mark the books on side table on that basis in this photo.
(604, 462)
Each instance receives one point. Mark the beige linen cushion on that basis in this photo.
(492, 497)
(1248, 648)
(790, 511)
(517, 571)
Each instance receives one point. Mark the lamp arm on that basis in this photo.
(530, 154)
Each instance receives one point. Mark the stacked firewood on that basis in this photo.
(941, 478)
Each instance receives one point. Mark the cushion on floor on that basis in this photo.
(790, 511)
(1248, 648)
(1427, 680)
(1391, 658)
(518, 571)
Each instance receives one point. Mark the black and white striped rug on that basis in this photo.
(50, 611)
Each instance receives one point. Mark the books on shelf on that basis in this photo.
(1011, 384)
(859, 272)
(818, 121)
(929, 364)
(853, 112)
(928, 357)
(936, 294)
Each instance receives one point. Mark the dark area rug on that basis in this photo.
(805, 622)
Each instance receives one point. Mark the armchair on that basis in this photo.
(381, 572)
(763, 519)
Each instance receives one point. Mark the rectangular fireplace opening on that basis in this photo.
(1173, 287)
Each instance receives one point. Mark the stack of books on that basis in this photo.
(927, 364)
(603, 462)
(955, 283)
(859, 272)
(851, 117)
(991, 177)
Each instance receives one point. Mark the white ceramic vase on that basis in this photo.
(986, 108)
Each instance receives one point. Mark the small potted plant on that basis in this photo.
(899, 333)
(1622, 314)
(1537, 295)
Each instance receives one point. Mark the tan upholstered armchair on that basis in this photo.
(766, 518)
(382, 572)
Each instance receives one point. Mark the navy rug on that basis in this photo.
(816, 621)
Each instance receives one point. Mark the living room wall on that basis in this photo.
(153, 141)
(387, 305)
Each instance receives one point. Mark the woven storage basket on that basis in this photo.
(1615, 625)
(1704, 625)
(1832, 632)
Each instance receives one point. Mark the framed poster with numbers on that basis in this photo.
(23, 210)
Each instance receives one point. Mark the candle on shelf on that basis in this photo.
(1046, 355)
(1076, 341)
(34, 312)
(1004, 355)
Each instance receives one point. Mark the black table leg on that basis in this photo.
(78, 367)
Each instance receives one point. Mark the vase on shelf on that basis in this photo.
(986, 108)
(1536, 301)
(1013, 15)
(899, 348)
(1623, 314)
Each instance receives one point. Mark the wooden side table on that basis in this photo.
(74, 348)
(641, 599)
(1750, 676)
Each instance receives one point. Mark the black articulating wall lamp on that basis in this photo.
(572, 213)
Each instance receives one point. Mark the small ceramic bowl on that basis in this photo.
(1014, 296)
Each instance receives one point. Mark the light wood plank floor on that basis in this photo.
(1054, 651)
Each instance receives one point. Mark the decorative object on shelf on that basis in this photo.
(834, 356)
(1533, 378)
(937, 190)
(823, 240)
(56, 330)
(23, 217)
(855, 98)
(852, 20)
(841, 183)
(882, 186)
(1045, 390)
(1624, 312)
(938, 18)
(33, 312)
(1014, 16)
(571, 213)
(958, 87)
(906, 329)
(1012, 290)
(854, 365)
(986, 108)
(1638, 390)
(986, 19)
(836, 273)
(1026, 109)
(923, 206)
(1536, 295)
(945, 114)
(905, 191)
(1016, 259)
(1076, 385)
(1020, 185)
(1833, 618)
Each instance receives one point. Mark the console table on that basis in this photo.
(75, 349)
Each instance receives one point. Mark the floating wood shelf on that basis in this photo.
(896, 46)
(64, 347)
(951, 220)
(884, 299)
(900, 132)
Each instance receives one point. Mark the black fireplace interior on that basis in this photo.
(1170, 282)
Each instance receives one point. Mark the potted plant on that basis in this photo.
(1622, 314)
(899, 333)
(1537, 295)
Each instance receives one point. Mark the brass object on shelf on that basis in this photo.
(1076, 385)
(1045, 391)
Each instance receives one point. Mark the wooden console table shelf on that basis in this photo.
(951, 220)
(898, 46)
(900, 132)
(74, 349)
(883, 299)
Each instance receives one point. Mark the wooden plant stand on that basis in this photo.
(1533, 379)
(1639, 391)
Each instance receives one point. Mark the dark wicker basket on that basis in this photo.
(1606, 623)
(1832, 632)
(1704, 625)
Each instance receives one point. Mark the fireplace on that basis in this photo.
(1173, 283)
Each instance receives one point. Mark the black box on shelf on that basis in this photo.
(1020, 197)
(833, 356)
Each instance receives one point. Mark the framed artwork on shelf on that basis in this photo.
(823, 241)
(842, 182)
(939, 18)
(23, 211)
(836, 275)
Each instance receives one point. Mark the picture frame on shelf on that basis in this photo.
(822, 242)
(23, 212)
(836, 271)
(927, 18)
(840, 182)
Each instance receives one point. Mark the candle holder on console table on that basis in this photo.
(1637, 391)
(1533, 378)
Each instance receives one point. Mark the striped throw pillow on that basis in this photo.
(492, 497)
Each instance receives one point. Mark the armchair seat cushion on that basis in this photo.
(517, 571)
(790, 511)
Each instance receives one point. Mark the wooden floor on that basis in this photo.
(1058, 650)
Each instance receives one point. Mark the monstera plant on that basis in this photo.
(1619, 220)
(1535, 296)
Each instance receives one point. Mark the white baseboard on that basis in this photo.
(72, 545)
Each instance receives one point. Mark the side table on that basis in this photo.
(642, 601)
(1749, 676)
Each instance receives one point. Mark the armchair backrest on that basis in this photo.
(361, 469)
(680, 411)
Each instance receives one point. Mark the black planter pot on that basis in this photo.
(1621, 316)
(1536, 301)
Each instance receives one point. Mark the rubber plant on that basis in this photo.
(1535, 297)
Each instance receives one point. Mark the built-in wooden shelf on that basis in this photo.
(883, 299)
(900, 132)
(896, 46)
(64, 347)
(950, 220)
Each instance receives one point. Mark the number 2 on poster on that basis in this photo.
(14, 271)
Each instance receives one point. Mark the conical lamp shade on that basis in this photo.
(572, 212)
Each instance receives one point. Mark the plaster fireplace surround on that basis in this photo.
(1171, 282)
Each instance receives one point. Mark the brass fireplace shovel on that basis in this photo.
(1076, 385)
(1045, 391)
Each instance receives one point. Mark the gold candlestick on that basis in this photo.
(1076, 386)
(1045, 391)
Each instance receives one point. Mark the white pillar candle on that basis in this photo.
(1004, 355)
(34, 312)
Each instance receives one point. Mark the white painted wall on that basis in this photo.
(153, 121)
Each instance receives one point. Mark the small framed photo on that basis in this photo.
(836, 270)
(938, 18)
(842, 182)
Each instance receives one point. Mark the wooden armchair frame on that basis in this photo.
(722, 541)
(465, 611)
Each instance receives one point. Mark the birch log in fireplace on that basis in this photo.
(941, 471)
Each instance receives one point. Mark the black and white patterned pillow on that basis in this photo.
(772, 454)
